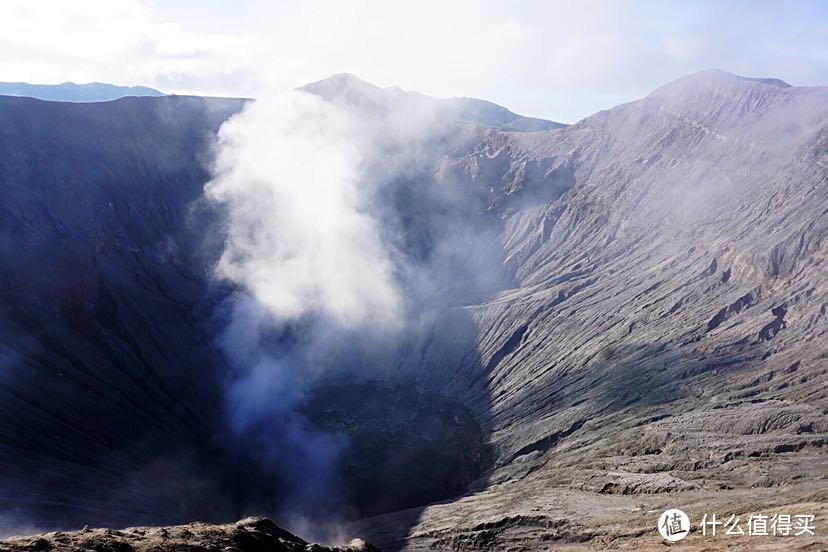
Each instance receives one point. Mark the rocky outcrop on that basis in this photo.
(248, 535)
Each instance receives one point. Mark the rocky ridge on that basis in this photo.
(247, 535)
(665, 341)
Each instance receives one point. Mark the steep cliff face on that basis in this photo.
(636, 320)
(677, 225)
(666, 331)
(109, 379)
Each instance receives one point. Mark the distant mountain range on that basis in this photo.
(72, 92)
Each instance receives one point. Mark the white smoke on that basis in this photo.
(299, 238)
(343, 246)
(312, 270)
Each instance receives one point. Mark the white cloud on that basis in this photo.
(550, 58)
(119, 41)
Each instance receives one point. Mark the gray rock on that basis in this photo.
(247, 535)
(665, 335)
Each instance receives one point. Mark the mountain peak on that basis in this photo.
(340, 83)
(350, 90)
(714, 93)
(719, 79)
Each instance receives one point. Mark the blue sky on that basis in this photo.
(555, 59)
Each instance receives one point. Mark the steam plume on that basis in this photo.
(311, 267)
(299, 237)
